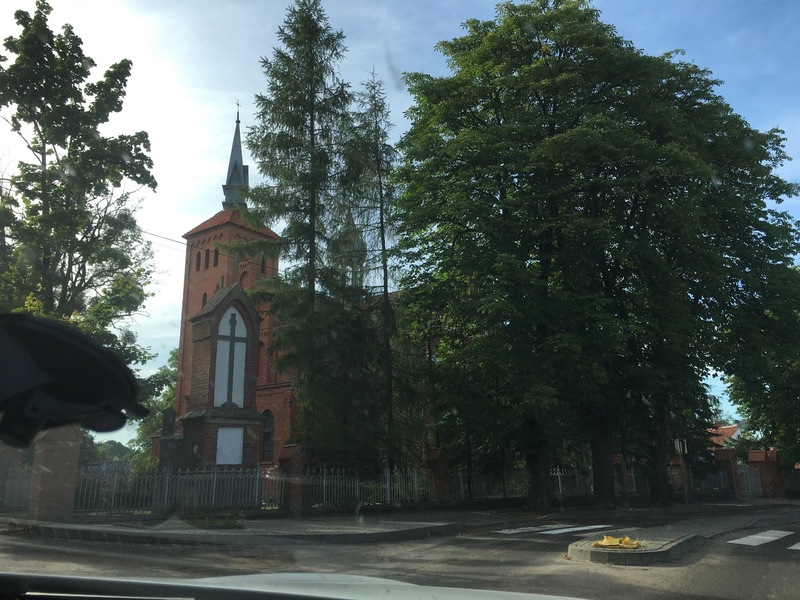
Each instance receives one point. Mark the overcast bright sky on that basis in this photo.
(193, 59)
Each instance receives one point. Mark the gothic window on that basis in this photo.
(208, 256)
(204, 300)
(197, 263)
(230, 441)
(269, 437)
(263, 265)
(216, 257)
(231, 355)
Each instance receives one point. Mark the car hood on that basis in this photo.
(356, 587)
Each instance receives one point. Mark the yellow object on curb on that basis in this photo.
(608, 541)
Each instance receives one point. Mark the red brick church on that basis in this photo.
(231, 409)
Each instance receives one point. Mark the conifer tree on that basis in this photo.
(298, 143)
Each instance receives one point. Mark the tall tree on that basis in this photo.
(77, 252)
(298, 143)
(570, 211)
(374, 158)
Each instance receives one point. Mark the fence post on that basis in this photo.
(388, 476)
(112, 504)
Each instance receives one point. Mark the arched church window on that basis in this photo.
(216, 257)
(204, 300)
(263, 265)
(269, 437)
(208, 256)
(197, 262)
(231, 355)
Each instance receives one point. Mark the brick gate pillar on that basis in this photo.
(54, 473)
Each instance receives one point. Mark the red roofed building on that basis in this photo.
(231, 407)
(724, 433)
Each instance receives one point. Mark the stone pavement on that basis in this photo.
(659, 544)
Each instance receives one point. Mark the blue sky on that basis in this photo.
(193, 59)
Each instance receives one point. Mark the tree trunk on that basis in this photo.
(659, 463)
(602, 469)
(539, 489)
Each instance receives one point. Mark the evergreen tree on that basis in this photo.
(299, 144)
(375, 158)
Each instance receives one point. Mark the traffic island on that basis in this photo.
(649, 552)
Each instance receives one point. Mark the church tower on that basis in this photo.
(232, 410)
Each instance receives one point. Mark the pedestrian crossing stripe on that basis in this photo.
(538, 528)
(574, 529)
(552, 529)
(763, 538)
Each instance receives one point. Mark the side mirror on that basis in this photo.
(52, 374)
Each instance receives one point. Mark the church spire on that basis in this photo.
(238, 176)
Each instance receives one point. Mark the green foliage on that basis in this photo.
(326, 186)
(70, 247)
(157, 394)
(585, 227)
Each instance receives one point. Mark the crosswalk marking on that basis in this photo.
(538, 528)
(552, 529)
(763, 538)
(573, 529)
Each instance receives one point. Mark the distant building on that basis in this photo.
(231, 409)
(720, 435)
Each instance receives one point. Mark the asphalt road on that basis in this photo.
(522, 559)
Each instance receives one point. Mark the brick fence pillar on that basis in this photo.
(54, 473)
(293, 470)
(437, 463)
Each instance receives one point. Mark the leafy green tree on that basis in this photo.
(581, 219)
(158, 395)
(71, 247)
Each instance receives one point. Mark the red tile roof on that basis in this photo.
(720, 435)
(229, 215)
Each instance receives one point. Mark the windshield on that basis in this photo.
(440, 293)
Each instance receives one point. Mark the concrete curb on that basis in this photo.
(223, 538)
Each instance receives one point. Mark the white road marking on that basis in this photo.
(538, 528)
(795, 547)
(761, 538)
(571, 529)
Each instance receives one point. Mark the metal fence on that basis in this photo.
(337, 487)
(749, 482)
(167, 490)
(116, 491)
(17, 490)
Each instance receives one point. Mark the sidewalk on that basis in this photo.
(357, 529)
(659, 544)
